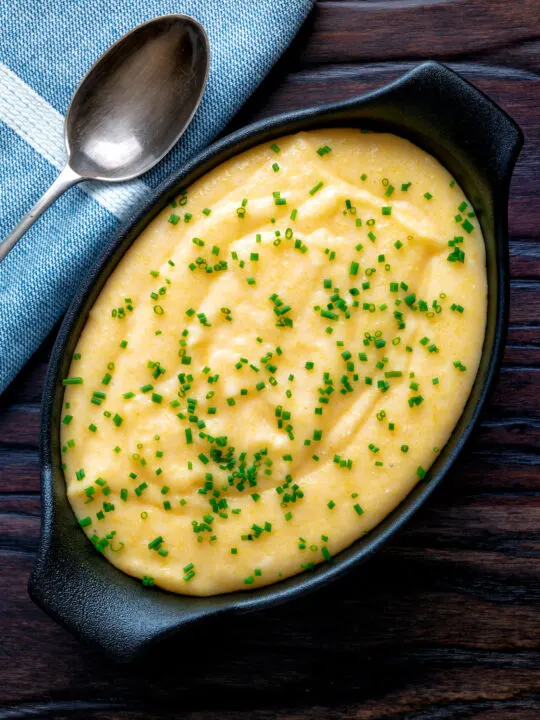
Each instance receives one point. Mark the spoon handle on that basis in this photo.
(63, 182)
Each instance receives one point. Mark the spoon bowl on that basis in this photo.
(130, 108)
(137, 100)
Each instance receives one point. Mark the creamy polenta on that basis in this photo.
(275, 362)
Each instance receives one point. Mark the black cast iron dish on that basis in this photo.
(479, 144)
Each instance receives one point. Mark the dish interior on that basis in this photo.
(277, 360)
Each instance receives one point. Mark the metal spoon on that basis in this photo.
(130, 108)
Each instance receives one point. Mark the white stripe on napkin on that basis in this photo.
(42, 127)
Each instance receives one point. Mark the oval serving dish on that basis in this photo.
(478, 143)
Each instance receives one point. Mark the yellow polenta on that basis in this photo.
(275, 362)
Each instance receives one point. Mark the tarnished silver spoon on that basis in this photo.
(130, 108)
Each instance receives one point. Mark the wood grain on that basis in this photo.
(382, 30)
(445, 622)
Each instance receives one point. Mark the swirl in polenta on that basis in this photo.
(275, 362)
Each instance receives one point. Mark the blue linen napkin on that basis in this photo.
(46, 48)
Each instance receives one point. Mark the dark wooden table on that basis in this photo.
(445, 623)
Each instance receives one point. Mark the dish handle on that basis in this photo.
(89, 597)
(454, 121)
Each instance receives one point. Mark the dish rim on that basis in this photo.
(218, 152)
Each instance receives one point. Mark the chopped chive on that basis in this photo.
(410, 299)
(324, 150)
(155, 543)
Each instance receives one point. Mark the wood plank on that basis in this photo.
(19, 425)
(444, 622)
(19, 533)
(525, 302)
(516, 393)
(371, 31)
(19, 470)
(491, 473)
(27, 387)
(397, 615)
(523, 346)
(525, 259)
(19, 505)
(513, 435)
(524, 56)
